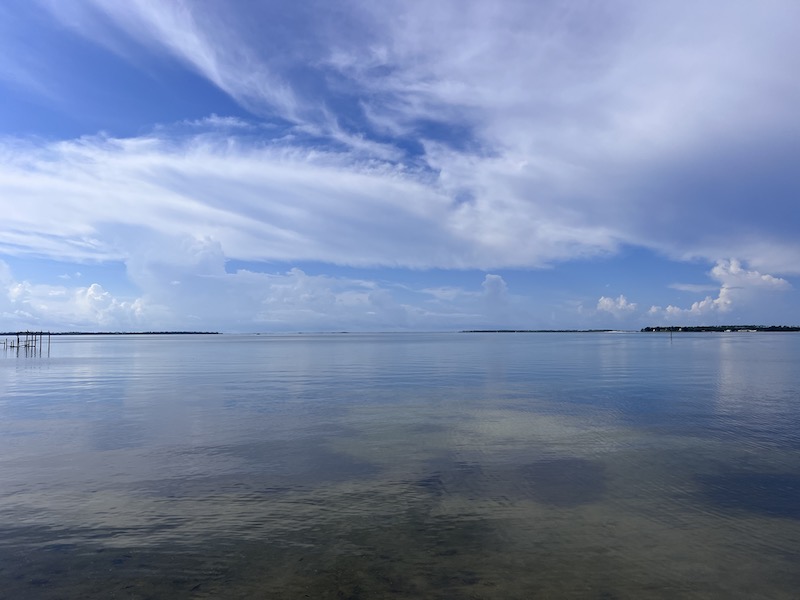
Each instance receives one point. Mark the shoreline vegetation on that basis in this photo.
(721, 328)
(656, 329)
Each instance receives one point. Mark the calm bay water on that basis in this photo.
(411, 466)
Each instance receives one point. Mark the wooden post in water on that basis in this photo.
(31, 341)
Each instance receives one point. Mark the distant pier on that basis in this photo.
(28, 343)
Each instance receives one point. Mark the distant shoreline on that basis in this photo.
(721, 328)
(656, 329)
(12, 333)
(544, 331)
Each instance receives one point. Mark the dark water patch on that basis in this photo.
(412, 552)
(61, 539)
(409, 555)
(239, 486)
(769, 494)
(564, 481)
(108, 575)
(461, 478)
(417, 556)
(433, 483)
(779, 433)
(60, 548)
(427, 428)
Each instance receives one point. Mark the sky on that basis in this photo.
(277, 166)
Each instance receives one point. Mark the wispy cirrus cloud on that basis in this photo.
(80, 199)
(204, 40)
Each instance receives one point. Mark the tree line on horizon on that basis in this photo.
(722, 328)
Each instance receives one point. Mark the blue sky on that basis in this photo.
(326, 166)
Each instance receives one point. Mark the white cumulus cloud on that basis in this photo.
(738, 286)
(618, 306)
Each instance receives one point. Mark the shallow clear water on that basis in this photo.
(402, 465)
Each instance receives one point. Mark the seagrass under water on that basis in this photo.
(402, 465)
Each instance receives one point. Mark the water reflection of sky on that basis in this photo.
(756, 385)
(557, 452)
